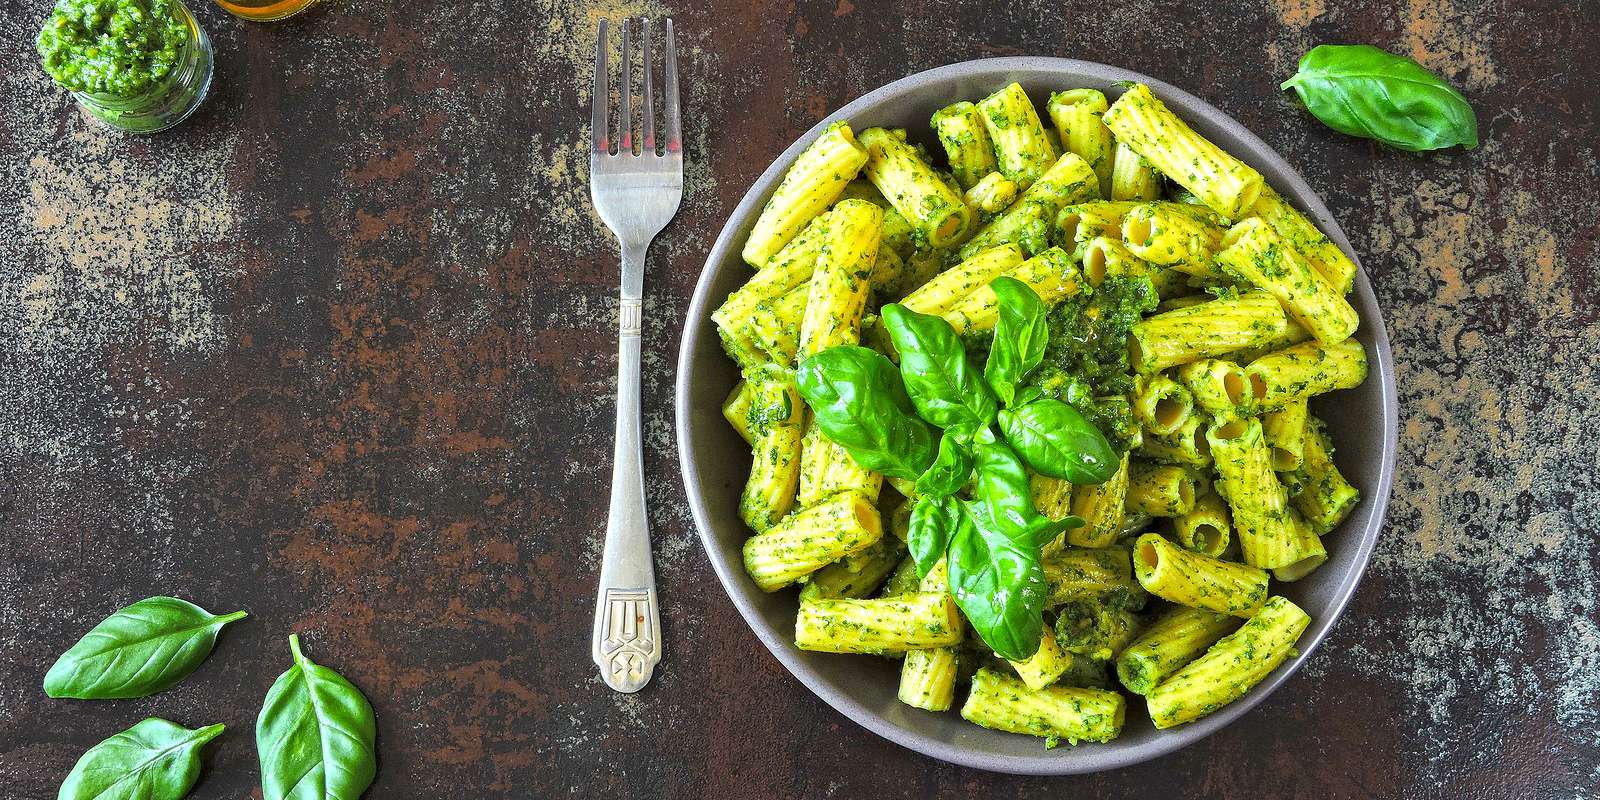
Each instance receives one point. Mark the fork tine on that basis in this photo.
(600, 98)
(674, 131)
(649, 89)
(625, 121)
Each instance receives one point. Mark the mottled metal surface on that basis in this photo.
(338, 351)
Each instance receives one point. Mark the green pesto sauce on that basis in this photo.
(121, 48)
(1087, 354)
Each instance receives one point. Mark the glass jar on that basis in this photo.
(167, 103)
(265, 10)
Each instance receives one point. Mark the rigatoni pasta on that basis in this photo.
(1231, 321)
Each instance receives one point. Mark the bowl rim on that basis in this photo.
(731, 573)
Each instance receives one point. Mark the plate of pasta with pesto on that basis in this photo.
(1036, 415)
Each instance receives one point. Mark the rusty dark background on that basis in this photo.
(338, 351)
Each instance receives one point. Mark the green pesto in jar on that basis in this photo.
(120, 48)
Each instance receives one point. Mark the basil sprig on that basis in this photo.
(137, 651)
(1019, 337)
(882, 417)
(1058, 441)
(153, 760)
(858, 401)
(1364, 91)
(945, 388)
(997, 579)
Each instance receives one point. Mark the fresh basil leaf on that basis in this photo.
(1027, 394)
(1058, 441)
(951, 468)
(137, 651)
(858, 401)
(934, 522)
(998, 582)
(1019, 337)
(153, 760)
(1003, 487)
(315, 735)
(1363, 91)
(944, 387)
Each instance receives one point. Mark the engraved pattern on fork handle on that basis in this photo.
(628, 645)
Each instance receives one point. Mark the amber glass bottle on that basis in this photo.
(265, 10)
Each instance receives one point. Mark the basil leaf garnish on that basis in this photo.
(1004, 488)
(946, 390)
(998, 582)
(857, 400)
(153, 760)
(1019, 337)
(1363, 91)
(951, 468)
(934, 522)
(1059, 442)
(137, 651)
(316, 735)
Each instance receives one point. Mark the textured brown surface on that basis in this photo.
(338, 352)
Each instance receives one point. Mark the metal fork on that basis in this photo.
(636, 195)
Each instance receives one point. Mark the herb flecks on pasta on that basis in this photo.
(1038, 418)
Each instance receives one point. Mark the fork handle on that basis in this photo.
(627, 618)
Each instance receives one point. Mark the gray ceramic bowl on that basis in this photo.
(715, 460)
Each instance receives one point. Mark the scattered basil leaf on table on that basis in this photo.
(153, 760)
(934, 522)
(137, 651)
(1004, 487)
(856, 398)
(951, 468)
(997, 580)
(1364, 91)
(946, 390)
(1059, 442)
(315, 735)
(1019, 337)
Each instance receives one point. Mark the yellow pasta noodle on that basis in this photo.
(1162, 404)
(1258, 502)
(1172, 573)
(1027, 222)
(1204, 331)
(775, 418)
(774, 326)
(1050, 274)
(928, 676)
(1322, 494)
(914, 621)
(947, 288)
(1252, 251)
(1005, 703)
(1132, 178)
(1100, 506)
(812, 183)
(1218, 386)
(1159, 490)
(857, 575)
(1168, 235)
(826, 468)
(1229, 668)
(1045, 665)
(1306, 545)
(960, 129)
(736, 410)
(992, 193)
(1076, 115)
(1104, 257)
(1020, 145)
(937, 213)
(1225, 184)
(1185, 446)
(1304, 370)
(838, 291)
(1084, 573)
(1206, 529)
(810, 540)
(1178, 637)
(1325, 256)
(1285, 430)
